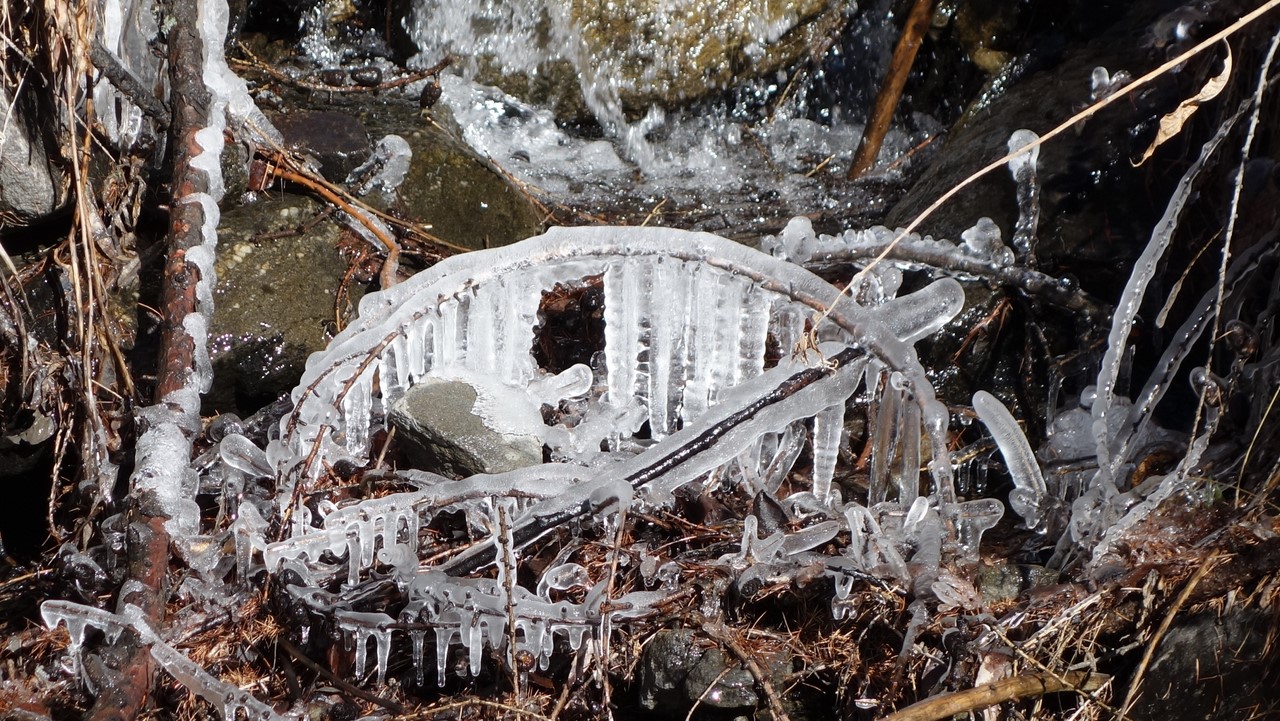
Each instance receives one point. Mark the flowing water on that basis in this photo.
(744, 155)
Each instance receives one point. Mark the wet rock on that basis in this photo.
(23, 450)
(1007, 581)
(30, 188)
(452, 189)
(466, 427)
(646, 50)
(336, 139)
(719, 681)
(1211, 667)
(677, 673)
(274, 302)
(664, 667)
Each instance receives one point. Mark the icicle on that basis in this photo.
(884, 442)
(1029, 498)
(908, 449)
(828, 427)
(1126, 312)
(1023, 169)
(666, 348)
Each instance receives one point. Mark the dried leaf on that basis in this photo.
(1171, 124)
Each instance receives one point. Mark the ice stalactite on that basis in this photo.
(1030, 497)
(1023, 169)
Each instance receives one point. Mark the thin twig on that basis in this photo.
(721, 635)
(392, 264)
(1131, 695)
(297, 655)
(257, 64)
(904, 56)
(1010, 689)
(463, 705)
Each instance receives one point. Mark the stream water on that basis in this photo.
(684, 141)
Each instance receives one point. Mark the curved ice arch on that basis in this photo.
(687, 315)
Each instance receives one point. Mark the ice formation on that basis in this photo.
(980, 255)
(231, 701)
(1030, 497)
(125, 32)
(690, 320)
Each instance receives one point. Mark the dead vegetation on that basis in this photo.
(1073, 648)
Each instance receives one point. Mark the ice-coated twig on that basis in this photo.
(232, 703)
(1130, 302)
(718, 435)
(867, 245)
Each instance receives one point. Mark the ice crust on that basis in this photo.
(125, 31)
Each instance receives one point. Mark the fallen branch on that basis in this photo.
(990, 694)
(128, 689)
(256, 64)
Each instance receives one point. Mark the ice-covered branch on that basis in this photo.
(963, 261)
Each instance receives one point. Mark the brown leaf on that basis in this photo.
(1171, 124)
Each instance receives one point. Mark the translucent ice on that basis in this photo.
(1030, 494)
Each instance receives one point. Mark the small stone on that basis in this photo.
(442, 429)
(664, 667)
(731, 686)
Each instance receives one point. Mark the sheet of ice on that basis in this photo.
(126, 30)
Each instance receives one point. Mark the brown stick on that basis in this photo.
(124, 697)
(891, 92)
(990, 694)
(392, 264)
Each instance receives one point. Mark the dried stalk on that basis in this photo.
(904, 55)
(990, 694)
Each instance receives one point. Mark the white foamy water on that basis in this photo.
(704, 156)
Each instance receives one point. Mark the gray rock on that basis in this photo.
(676, 673)
(1211, 667)
(30, 188)
(444, 425)
(664, 667)
(730, 685)
(1007, 581)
